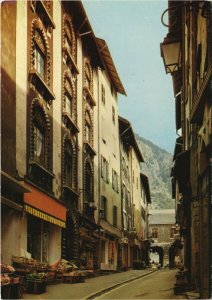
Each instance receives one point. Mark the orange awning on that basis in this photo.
(45, 207)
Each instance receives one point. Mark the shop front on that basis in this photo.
(45, 217)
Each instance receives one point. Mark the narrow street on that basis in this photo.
(158, 285)
(151, 284)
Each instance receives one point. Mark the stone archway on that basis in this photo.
(160, 252)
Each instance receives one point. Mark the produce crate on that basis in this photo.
(36, 286)
(69, 278)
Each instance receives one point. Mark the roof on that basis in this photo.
(84, 29)
(127, 135)
(162, 217)
(110, 66)
(99, 50)
(145, 182)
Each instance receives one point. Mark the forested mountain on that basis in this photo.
(157, 167)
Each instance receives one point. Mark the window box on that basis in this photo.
(89, 96)
(69, 121)
(36, 80)
(69, 60)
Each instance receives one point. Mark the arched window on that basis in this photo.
(87, 127)
(40, 52)
(68, 97)
(88, 183)
(69, 40)
(39, 130)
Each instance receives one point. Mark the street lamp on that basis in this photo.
(171, 54)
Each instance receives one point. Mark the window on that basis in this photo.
(102, 251)
(105, 169)
(103, 94)
(113, 114)
(103, 207)
(68, 44)
(87, 77)
(87, 128)
(173, 231)
(115, 184)
(68, 101)
(88, 183)
(40, 62)
(68, 165)
(155, 233)
(39, 144)
(115, 216)
(125, 220)
(124, 196)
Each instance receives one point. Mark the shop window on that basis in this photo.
(115, 216)
(103, 251)
(154, 233)
(104, 169)
(38, 238)
(103, 207)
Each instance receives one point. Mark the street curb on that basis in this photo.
(99, 293)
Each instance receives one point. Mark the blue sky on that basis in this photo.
(133, 32)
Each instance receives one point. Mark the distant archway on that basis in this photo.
(159, 250)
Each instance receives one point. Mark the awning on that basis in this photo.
(43, 216)
(45, 207)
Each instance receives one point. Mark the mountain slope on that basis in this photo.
(157, 167)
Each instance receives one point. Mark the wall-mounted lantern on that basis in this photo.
(171, 54)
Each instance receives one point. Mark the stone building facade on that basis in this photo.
(61, 170)
(190, 25)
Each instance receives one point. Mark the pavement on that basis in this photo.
(91, 288)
